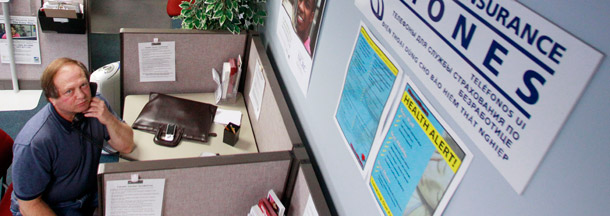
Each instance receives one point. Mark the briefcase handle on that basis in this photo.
(173, 143)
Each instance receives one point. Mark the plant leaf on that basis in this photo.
(197, 24)
(210, 1)
(218, 6)
(217, 14)
(229, 14)
(229, 4)
(185, 12)
(248, 13)
(185, 4)
(199, 14)
(209, 13)
(235, 5)
(261, 13)
(209, 7)
(223, 18)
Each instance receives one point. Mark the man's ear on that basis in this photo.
(52, 100)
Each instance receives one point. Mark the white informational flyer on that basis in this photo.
(509, 77)
(26, 45)
(257, 88)
(157, 61)
(298, 26)
(143, 197)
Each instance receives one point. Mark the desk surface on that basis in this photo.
(146, 149)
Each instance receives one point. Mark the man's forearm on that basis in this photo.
(35, 207)
(121, 136)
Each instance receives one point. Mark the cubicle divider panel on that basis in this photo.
(227, 185)
(307, 187)
(274, 128)
(197, 52)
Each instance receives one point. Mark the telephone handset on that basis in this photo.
(80, 117)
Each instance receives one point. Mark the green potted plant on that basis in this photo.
(232, 15)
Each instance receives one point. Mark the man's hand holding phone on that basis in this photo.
(97, 109)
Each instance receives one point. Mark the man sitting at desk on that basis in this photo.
(55, 160)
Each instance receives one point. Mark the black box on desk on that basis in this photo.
(62, 21)
(231, 134)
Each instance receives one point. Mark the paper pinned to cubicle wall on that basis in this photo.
(157, 61)
(257, 88)
(143, 197)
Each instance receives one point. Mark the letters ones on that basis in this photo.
(491, 13)
(544, 44)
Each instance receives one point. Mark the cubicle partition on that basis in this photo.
(275, 129)
(197, 53)
(227, 185)
(231, 183)
(223, 185)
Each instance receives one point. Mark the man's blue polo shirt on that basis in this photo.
(52, 160)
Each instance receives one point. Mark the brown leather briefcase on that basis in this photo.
(187, 119)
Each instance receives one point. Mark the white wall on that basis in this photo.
(573, 178)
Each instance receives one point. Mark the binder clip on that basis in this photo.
(156, 41)
(135, 179)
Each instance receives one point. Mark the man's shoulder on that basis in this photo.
(39, 123)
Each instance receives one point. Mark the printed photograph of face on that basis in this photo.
(20, 31)
(305, 16)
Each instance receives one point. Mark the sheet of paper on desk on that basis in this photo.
(224, 116)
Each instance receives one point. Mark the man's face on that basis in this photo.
(305, 15)
(73, 90)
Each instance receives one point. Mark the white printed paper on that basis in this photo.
(157, 61)
(124, 198)
(224, 116)
(218, 91)
(257, 88)
(26, 45)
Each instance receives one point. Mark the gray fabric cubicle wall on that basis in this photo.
(227, 185)
(284, 129)
(224, 185)
(571, 179)
(197, 52)
(275, 131)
